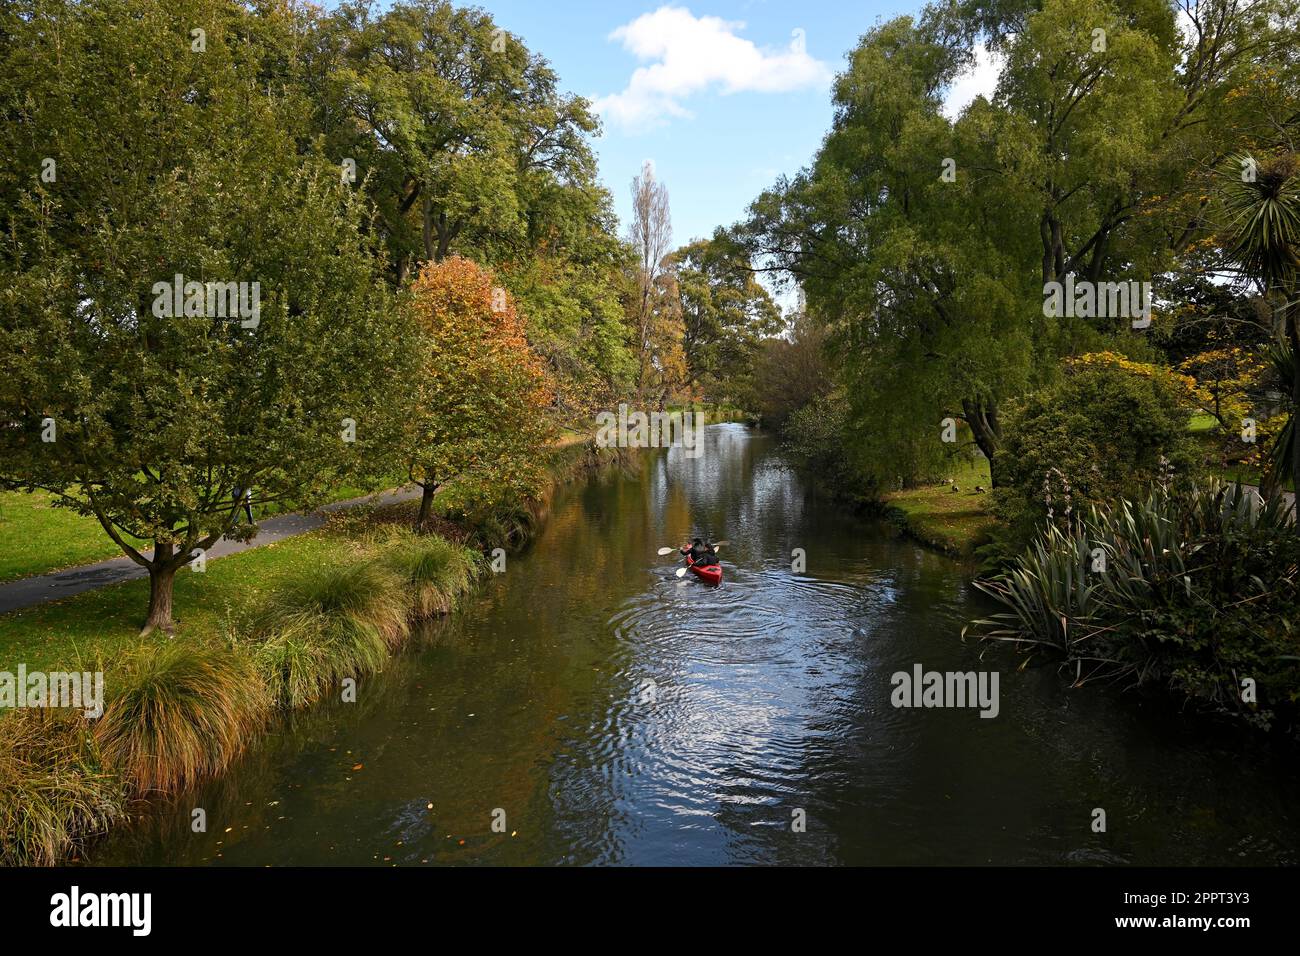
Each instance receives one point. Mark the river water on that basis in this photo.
(587, 707)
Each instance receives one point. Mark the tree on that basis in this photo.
(1264, 244)
(725, 312)
(924, 244)
(457, 129)
(151, 418)
(790, 372)
(483, 395)
(651, 237)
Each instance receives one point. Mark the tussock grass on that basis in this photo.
(325, 626)
(54, 793)
(180, 712)
(435, 571)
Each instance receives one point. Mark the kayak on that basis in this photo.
(711, 573)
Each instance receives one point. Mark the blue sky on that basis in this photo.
(728, 98)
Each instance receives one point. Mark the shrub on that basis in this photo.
(1108, 429)
(54, 792)
(1197, 591)
(180, 713)
(436, 571)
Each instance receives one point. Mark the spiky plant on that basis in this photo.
(178, 713)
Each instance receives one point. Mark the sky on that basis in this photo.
(722, 96)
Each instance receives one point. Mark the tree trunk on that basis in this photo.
(162, 575)
(987, 429)
(426, 505)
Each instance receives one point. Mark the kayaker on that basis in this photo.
(700, 553)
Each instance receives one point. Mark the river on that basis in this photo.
(587, 707)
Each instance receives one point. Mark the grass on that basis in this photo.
(104, 624)
(180, 713)
(956, 522)
(332, 604)
(55, 794)
(36, 537)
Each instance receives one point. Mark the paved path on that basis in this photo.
(26, 592)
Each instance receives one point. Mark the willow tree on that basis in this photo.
(187, 317)
(924, 243)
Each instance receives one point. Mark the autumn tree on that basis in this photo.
(152, 402)
(482, 396)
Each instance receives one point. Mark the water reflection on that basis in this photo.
(618, 715)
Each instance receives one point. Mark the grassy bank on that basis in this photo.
(956, 522)
(37, 537)
(260, 633)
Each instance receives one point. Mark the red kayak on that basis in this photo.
(711, 573)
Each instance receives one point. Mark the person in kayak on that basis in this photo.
(700, 553)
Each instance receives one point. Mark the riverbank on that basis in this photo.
(951, 517)
(262, 632)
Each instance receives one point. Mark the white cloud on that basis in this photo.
(687, 55)
(979, 80)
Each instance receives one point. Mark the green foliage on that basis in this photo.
(725, 312)
(1199, 592)
(1103, 431)
(814, 437)
(55, 794)
(789, 373)
(159, 419)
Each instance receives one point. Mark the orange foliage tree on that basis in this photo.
(484, 398)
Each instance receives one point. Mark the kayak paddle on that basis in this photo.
(663, 551)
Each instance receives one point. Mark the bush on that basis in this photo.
(1197, 592)
(180, 713)
(54, 792)
(327, 625)
(436, 571)
(815, 436)
(1108, 429)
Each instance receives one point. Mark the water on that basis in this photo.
(606, 712)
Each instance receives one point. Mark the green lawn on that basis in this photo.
(103, 623)
(36, 537)
(956, 521)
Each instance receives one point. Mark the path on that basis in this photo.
(56, 585)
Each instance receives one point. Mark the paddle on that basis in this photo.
(716, 545)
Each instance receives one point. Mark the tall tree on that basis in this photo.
(726, 312)
(456, 127)
(149, 410)
(651, 237)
